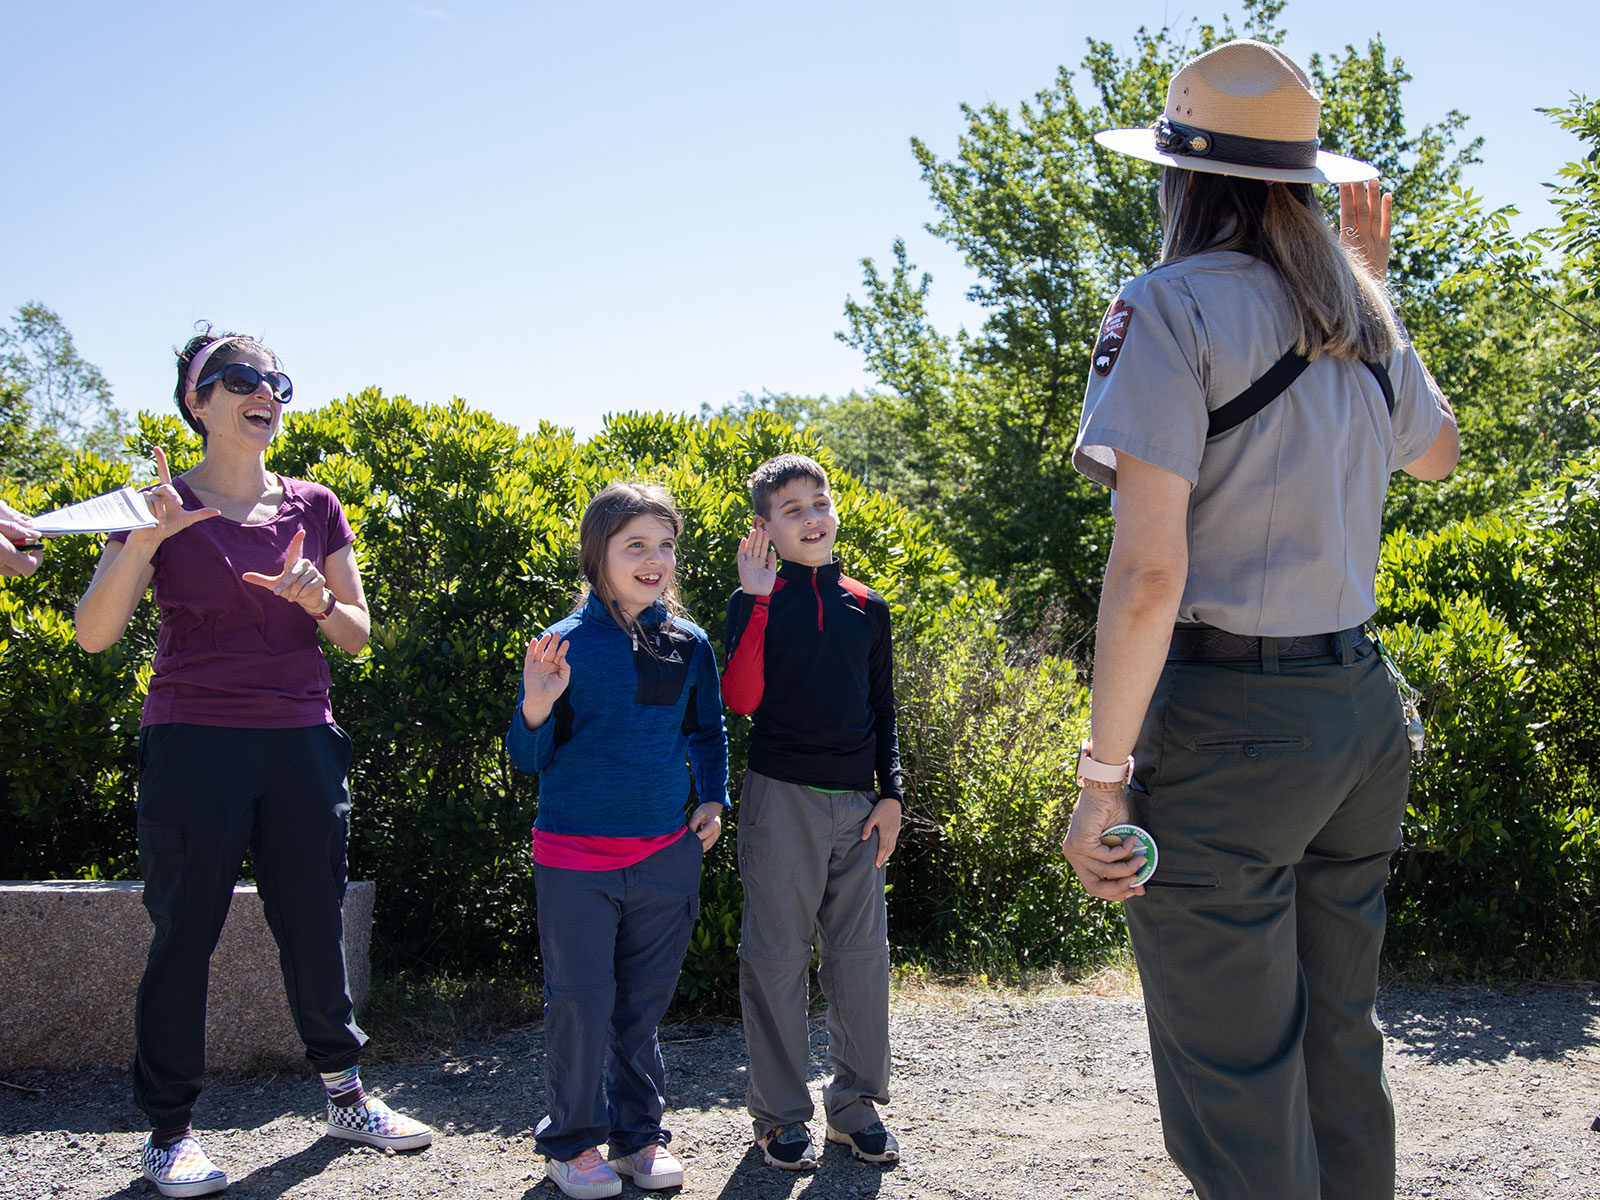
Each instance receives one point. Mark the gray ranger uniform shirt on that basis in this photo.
(1286, 510)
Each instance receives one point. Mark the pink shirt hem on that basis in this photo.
(584, 852)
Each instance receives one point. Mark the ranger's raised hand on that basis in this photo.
(1366, 215)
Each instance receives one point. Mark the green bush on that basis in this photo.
(986, 746)
(68, 721)
(1497, 621)
(466, 535)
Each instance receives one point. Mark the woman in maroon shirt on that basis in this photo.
(238, 750)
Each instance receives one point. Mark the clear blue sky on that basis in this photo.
(557, 210)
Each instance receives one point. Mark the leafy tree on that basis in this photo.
(1051, 222)
(1528, 316)
(51, 400)
(859, 428)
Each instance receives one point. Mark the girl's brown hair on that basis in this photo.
(613, 507)
(1339, 307)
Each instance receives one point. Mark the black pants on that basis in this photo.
(206, 796)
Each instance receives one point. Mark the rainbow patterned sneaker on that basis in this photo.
(375, 1123)
(182, 1169)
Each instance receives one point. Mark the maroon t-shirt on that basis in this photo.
(232, 653)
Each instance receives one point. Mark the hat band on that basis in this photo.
(1176, 138)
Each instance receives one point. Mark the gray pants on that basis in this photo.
(806, 871)
(1275, 800)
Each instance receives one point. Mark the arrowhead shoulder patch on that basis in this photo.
(1113, 335)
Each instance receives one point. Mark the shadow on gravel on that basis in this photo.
(274, 1179)
(1477, 1025)
(840, 1176)
(264, 1183)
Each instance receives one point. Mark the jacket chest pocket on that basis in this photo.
(663, 673)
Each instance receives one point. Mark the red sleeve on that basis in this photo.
(744, 678)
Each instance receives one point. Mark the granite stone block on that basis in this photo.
(72, 952)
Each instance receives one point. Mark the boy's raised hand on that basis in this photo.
(758, 562)
(545, 675)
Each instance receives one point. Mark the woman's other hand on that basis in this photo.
(1366, 214)
(299, 581)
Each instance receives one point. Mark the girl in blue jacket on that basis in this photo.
(619, 703)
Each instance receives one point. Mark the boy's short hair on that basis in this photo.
(777, 471)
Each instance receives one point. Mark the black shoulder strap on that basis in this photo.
(1273, 384)
(1382, 376)
(1258, 395)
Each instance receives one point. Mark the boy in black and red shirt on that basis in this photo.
(811, 656)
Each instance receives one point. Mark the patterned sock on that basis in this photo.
(344, 1087)
(166, 1139)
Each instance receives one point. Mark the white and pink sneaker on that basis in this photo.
(650, 1167)
(587, 1177)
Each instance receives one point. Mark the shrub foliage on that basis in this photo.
(467, 534)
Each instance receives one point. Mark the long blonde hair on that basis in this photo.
(613, 507)
(1339, 307)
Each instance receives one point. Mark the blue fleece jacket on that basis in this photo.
(611, 755)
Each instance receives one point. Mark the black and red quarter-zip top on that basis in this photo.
(814, 664)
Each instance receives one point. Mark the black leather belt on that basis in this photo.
(1201, 643)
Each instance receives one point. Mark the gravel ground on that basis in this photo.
(995, 1097)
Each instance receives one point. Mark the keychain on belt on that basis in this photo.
(1410, 698)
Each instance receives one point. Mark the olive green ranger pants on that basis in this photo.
(1275, 801)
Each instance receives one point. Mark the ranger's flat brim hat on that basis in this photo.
(1241, 108)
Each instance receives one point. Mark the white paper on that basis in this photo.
(122, 509)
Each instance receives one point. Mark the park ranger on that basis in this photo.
(1247, 402)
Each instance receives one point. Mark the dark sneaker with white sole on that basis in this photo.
(872, 1144)
(788, 1147)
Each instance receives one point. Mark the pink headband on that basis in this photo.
(198, 362)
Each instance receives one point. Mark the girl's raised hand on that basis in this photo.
(1366, 215)
(166, 506)
(545, 673)
(758, 563)
(299, 581)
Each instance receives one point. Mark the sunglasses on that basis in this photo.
(241, 379)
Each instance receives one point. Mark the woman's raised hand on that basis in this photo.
(166, 506)
(299, 581)
(758, 563)
(1366, 214)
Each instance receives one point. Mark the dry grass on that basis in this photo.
(1115, 978)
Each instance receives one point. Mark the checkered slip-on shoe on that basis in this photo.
(375, 1123)
(182, 1169)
